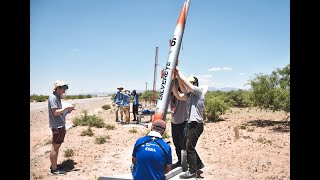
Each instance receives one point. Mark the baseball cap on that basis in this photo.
(159, 125)
(194, 80)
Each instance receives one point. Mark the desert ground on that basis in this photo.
(262, 150)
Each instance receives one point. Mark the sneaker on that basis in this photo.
(134, 120)
(188, 175)
(57, 172)
(59, 167)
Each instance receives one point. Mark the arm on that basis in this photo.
(57, 112)
(180, 96)
(134, 160)
(183, 81)
(182, 87)
(168, 168)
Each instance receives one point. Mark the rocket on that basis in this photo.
(166, 82)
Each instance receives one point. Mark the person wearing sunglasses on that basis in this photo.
(57, 122)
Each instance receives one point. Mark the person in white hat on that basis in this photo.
(117, 101)
(57, 122)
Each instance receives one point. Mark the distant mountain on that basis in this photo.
(225, 89)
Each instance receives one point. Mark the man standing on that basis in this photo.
(151, 156)
(135, 104)
(57, 122)
(126, 106)
(117, 100)
(195, 106)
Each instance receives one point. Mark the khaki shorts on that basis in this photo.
(58, 135)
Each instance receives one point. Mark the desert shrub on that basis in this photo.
(101, 139)
(264, 140)
(106, 107)
(133, 130)
(68, 153)
(239, 98)
(48, 141)
(87, 132)
(272, 91)
(109, 127)
(214, 107)
(38, 98)
(80, 96)
(88, 120)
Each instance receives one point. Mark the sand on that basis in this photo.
(262, 150)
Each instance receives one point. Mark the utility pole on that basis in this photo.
(146, 92)
(155, 77)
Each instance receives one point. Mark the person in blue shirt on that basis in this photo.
(151, 156)
(126, 106)
(135, 104)
(117, 100)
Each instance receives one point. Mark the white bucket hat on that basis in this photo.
(59, 83)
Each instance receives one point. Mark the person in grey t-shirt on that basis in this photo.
(57, 115)
(195, 107)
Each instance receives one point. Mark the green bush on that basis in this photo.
(38, 98)
(109, 127)
(106, 107)
(214, 107)
(87, 132)
(133, 130)
(101, 139)
(68, 153)
(89, 120)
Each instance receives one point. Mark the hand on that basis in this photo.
(176, 71)
(70, 108)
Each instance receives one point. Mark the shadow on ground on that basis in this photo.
(68, 165)
(277, 126)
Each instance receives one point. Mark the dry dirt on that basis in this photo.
(261, 152)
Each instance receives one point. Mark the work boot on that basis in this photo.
(198, 174)
(188, 175)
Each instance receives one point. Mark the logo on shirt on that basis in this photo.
(150, 149)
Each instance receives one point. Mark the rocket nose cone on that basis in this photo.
(182, 16)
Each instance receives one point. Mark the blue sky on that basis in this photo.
(99, 45)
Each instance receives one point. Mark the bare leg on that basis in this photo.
(54, 155)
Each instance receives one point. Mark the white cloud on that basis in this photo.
(204, 79)
(220, 69)
(75, 52)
